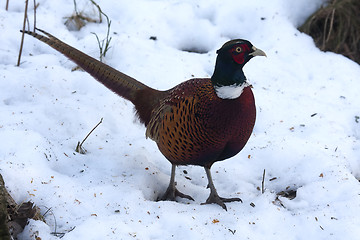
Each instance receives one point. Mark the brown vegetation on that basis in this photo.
(336, 27)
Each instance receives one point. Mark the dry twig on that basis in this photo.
(79, 147)
(336, 28)
(23, 32)
(263, 183)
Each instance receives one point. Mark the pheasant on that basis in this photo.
(199, 121)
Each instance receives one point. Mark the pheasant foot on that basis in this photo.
(171, 192)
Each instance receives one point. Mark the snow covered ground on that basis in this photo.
(307, 134)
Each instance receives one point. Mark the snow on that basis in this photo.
(307, 134)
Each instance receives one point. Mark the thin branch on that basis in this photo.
(104, 45)
(75, 8)
(108, 39)
(331, 24)
(263, 183)
(23, 32)
(79, 148)
(101, 44)
(35, 7)
(7, 5)
(99, 9)
(28, 22)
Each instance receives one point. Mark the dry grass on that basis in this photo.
(336, 28)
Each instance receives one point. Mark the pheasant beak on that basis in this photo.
(257, 52)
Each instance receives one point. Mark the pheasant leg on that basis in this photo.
(171, 192)
(214, 197)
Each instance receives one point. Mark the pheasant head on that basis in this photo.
(229, 79)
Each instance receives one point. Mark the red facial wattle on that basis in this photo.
(238, 53)
(239, 58)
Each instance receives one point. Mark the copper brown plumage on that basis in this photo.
(199, 121)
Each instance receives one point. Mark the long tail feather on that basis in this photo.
(116, 81)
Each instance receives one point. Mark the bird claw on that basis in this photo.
(214, 198)
(172, 193)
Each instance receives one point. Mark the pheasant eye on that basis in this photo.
(238, 49)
